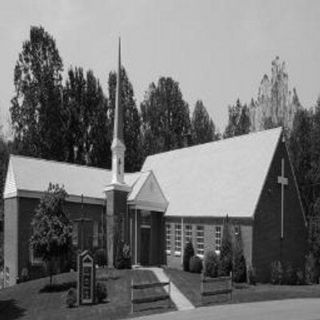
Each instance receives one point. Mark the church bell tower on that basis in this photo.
(117, 191)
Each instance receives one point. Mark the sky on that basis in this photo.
(218, 51)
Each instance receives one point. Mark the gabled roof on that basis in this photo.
(218, 178)
(32, 176)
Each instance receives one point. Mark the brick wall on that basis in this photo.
(267, 243)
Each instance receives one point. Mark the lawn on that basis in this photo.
(31, 300)
(189, 285)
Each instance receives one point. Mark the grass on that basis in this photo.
(36, 300)
(189, 285)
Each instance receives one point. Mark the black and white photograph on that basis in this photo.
(159, 160)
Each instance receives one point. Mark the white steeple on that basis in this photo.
(118, 148)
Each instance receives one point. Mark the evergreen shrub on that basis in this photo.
(252, 276)
(211, 263)
(101, 292)
(71, 298)
(100, 257)
(188, 252)
(195, 264)
(276, 273)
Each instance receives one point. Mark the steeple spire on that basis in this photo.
(118, 148)
(118, 116)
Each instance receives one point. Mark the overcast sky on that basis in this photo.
(217, 50)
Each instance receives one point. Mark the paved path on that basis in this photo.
(294, 309)
(181, 302)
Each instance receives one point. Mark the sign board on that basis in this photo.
(86, 278)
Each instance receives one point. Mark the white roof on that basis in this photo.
(34, 175)
(218, 178)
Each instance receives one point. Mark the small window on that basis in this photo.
(177, 239)
(168, 238)
(188, 233)
(200, 240)
(218, 238)
(75, 234)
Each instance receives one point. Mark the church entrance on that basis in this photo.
(145, 246)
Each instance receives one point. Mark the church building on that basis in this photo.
(178, 196)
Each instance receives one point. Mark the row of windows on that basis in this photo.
(188, 237)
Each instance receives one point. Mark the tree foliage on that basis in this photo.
(239, 120)
(226, 252)
(51, 229)
(165, 117)
(202, 126)
(35, 107)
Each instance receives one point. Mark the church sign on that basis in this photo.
(86, 278)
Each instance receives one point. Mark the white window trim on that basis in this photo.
(177, 252)
(202, 240)
(168, 227)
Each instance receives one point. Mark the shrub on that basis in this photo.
(225, 263)
(300, 277)
(100, 257)
(276, 274)
(24, 274)
(71, 298)
(123, 260)
(239, 269)
(310, 269)
(211, 263)
(188, 252)
(101, 292)
(290, 275)
(251, 275)
(195, 264)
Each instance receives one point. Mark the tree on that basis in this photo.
(202, 126)
(132, 121)
(239, 262)
(188, 253)
(165, 117)
(87, 127)
(226, 252)
(239, 120)
(36, 105)
(300, 147)
(51, 229)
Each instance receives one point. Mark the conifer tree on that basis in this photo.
(226, 252)
(239, 262)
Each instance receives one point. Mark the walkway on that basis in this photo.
(181, 302)
(294, 309)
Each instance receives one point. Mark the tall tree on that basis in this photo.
(36, 105)
(132, 121)
(86, 130)
(239, 120)
(202, 126)
(165, 117)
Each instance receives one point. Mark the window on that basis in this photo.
(218, 238)
(75, 234)
(200, 240)
(188, 233)
(168, 238)
(95, 239)
(177, 239)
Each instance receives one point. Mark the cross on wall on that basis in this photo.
(283, 181)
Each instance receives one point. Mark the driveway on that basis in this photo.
(294, 309)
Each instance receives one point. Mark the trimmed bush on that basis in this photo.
(226, 254)
(188, 252)
(276, 274)
(290, 275)
(195, 264)
(239, 269)
(300, 277)
(101, 292)
(100, 257)
(24, 274)
(123, 260)
(211, 263)
(71, 298)
(310, 269)
(251, 276)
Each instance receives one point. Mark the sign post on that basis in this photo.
(86, 278)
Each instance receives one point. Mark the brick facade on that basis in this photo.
(17, 231)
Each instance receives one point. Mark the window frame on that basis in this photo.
(168, 238)
(199, 244)
(177, 239)
(218, 240)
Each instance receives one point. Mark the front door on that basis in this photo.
(145, 246)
